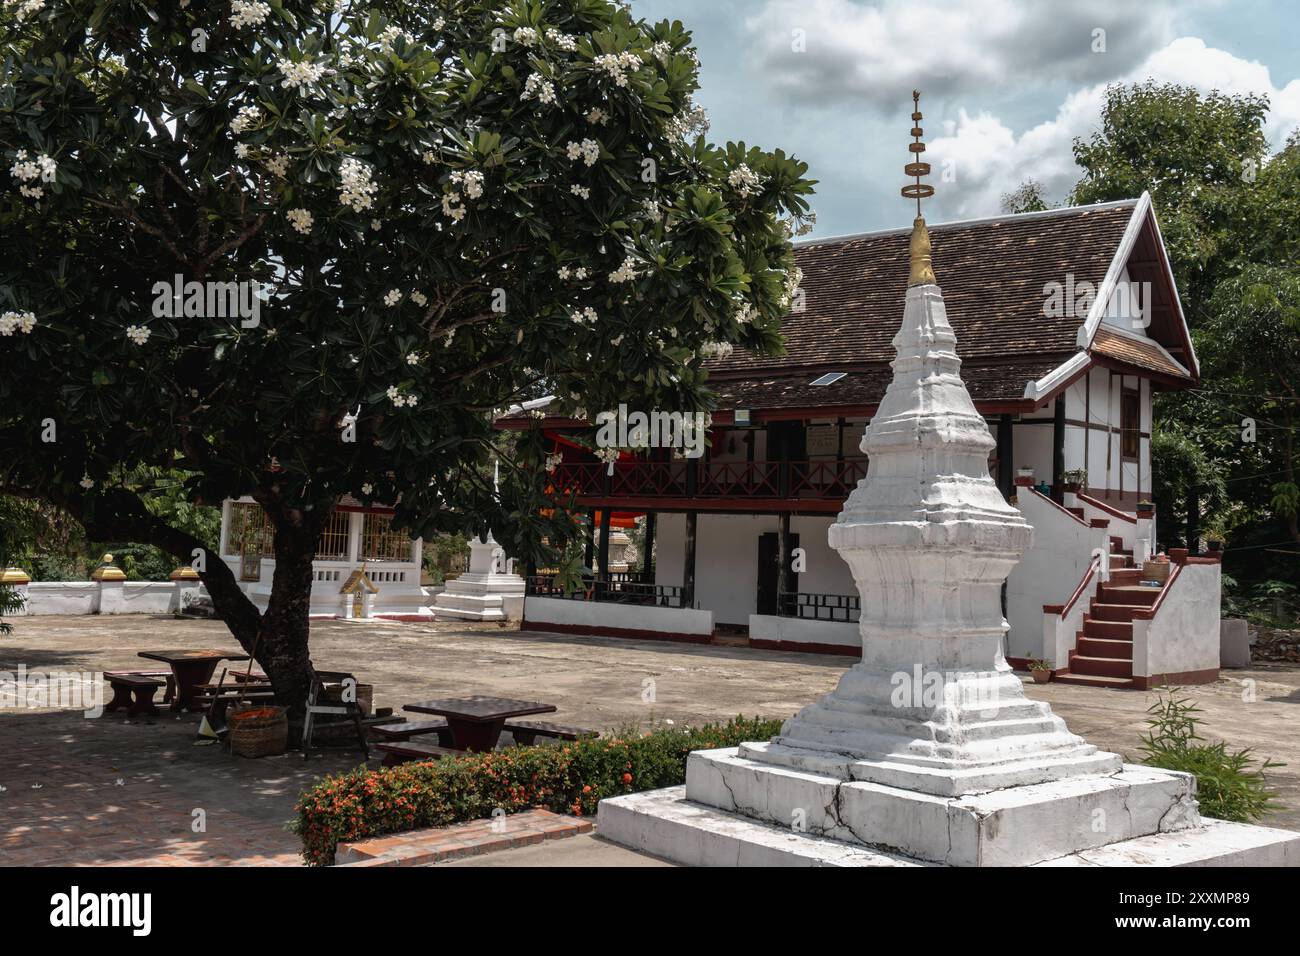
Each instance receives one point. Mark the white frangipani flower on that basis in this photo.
(393, 297)
(588, 150)
(357, 189)
(248, 13)
(139, 334)
(300, 219)
(419, 298)
(245, 119)
(22, 322)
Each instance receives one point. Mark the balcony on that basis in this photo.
(823, 481)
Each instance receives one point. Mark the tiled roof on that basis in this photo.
(1137, 352)
(992, 273)
(793, 389)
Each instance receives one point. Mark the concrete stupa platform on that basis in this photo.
(665, 823)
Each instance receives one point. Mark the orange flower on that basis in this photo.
(586, 788)
(627, 778)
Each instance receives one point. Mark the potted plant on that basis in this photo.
(1146, 509)
(1040, 670)
(1074, 480)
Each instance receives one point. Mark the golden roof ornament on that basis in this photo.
(922, 271)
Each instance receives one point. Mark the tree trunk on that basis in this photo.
(282, 634)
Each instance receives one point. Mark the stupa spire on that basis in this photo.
(922, 271)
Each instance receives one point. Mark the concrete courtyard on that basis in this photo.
(113, 791)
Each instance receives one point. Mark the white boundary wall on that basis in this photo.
(105, 597)
(623, 617)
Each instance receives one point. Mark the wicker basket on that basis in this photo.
(258, 730)
(1155, 571)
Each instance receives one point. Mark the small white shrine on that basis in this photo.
(928, 751)
(489, 591)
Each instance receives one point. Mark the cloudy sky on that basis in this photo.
(1007, 84)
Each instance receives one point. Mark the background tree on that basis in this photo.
(1230, 216)
(1027, 197)
(450, 206)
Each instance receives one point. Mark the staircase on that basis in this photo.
(1103, 653)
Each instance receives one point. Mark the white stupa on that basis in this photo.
(928, 750)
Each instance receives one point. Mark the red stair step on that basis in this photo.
(1103, 647)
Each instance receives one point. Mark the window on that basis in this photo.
(379, 542)
(250, 530)
(332, 545)
(1130, 424)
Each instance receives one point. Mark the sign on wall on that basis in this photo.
(823, 440)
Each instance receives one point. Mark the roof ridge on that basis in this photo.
(904, 230)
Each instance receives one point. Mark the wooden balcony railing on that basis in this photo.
(721, 479)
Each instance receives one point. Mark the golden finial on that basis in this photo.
(922, 272)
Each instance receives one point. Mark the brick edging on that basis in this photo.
(434, 845)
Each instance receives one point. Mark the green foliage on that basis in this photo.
(1228, 787)
(446, 257)
(1027, 197)
(1198, 156)
(572, 778)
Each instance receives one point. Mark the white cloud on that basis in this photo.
(991, 160)
(875, 52)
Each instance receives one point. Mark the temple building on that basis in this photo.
(1067, 322)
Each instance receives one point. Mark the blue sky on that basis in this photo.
(1007, 85)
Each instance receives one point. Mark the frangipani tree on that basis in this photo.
(446, 206)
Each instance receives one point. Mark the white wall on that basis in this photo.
(794, 630)
(107, 597)
(666, 620)
(1184, 634)
(726, 560)
(1049, 570)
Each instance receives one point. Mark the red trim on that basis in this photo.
(839, 650)
(587, 630)
(1102, 506)
(1093, 567)
(1207, 676)
(602, 631)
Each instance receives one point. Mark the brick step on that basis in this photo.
(1107, 630)
(1100, 666)
(1119, 562)
(1117, 544)
(1093, 680)
(1077, 512)
(1104, 647)
(1113, 612)
(1120, 577)
(1123, 594)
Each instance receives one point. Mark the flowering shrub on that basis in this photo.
(572, 779)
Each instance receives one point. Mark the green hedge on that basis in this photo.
(566, 779)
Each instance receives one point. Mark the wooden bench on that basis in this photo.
(218, 704)
(404, 729)
(404, 751)
(166, 675)
(526, 732)
(134, 692)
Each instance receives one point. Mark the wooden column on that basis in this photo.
(1006, 470)
(1058, 448)
(782, 558)
(589, 549)
(602, 556)
(688, 569)
(648, 558)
